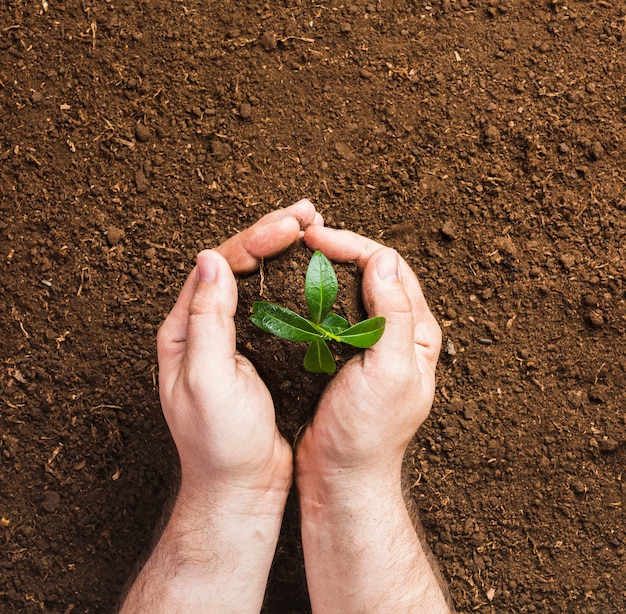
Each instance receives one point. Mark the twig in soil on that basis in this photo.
(33, 159)
(262, 274)
(595, 381)
(82, 280)
(94, 27)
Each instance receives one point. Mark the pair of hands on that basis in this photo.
(220, 413)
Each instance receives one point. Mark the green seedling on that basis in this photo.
(320, 289)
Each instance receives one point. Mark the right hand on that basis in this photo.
(373, 407)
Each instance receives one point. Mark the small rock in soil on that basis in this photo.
(51, 501)
(597, 151)
(590, 300)
(595, 318)
(600, 393)
(470, 410)
(608, 445)
(577, 398)
(36, 97)
(268, 41)
(506, 246)
(449, 231)
(115, 235)
(141, 181)
(141, 365)
(143, 133)
(344, 151)
(492, 134)
(220, 149)
(245, 110)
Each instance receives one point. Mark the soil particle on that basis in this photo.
(220, 149)
(51, 501)
(595, 318)
(143, 133)
(115, 235)
(596, 152)
(344, 151)
(141, 181)
(245, 110)
(449, 230)
(491, 134)
(608, 445)
(268, 41)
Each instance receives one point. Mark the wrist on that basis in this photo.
(239, 524)
(352, 492)
(319, 476)
(242, 490)
(217, 498)
(215, 549)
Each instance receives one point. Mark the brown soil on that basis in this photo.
(485, 140)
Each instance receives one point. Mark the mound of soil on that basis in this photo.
(483, 139)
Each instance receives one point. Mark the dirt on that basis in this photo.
(484, 140)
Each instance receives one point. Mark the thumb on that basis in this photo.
(384, 295)
(211, 326)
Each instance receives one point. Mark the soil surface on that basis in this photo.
(485, 140)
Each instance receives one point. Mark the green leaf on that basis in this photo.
(320, 286)
(283, 322)
(318, 358)
(364, 334)
(334, 323)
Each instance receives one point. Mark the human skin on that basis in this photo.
(361, 550)
(362, 553)
(236, 470)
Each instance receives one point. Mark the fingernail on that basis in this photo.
(207, 267)
(387, 266)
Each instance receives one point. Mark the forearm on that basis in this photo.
(362, 553)
(211, 556)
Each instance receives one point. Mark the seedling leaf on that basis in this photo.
(321, 291)
(364, 334)
(335, 324)
(318, 358)
(320, 287)
(282, 322)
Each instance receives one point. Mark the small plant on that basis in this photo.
(320, 289)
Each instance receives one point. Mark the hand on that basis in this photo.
(361, 549)
(217, 547)
(218, 410)
(370, 411)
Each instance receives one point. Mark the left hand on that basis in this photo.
(219, 412)
(216, 550)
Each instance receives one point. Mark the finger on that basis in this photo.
(210, 342)
(386, 296)
(346, 246)
(173, 331)
(341, 245)
(270, 235)
(273, 233)
(318, 220)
